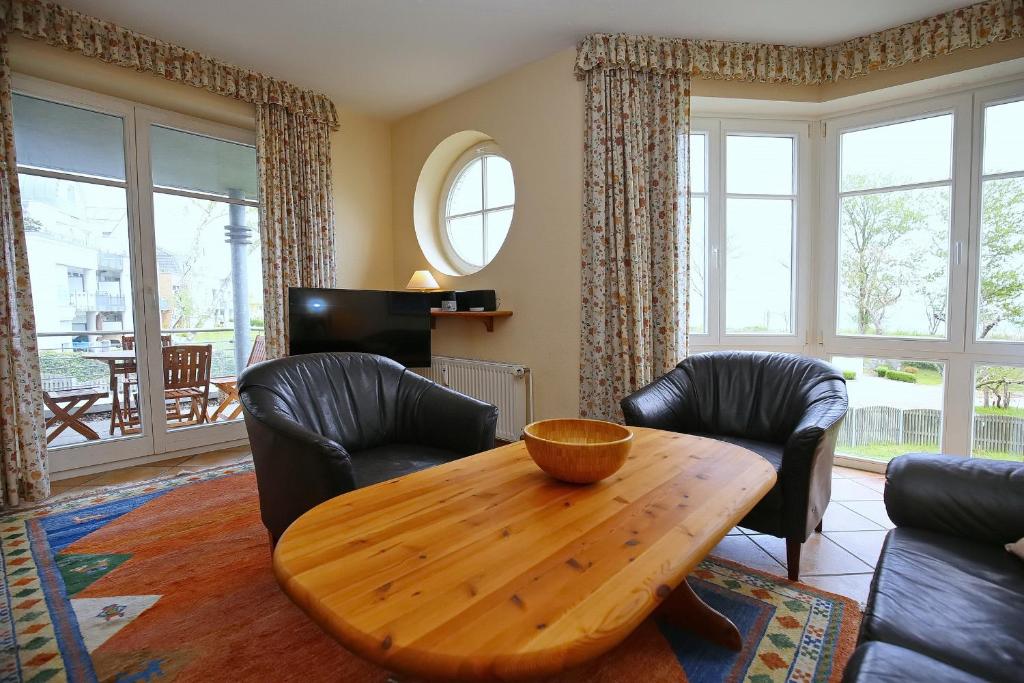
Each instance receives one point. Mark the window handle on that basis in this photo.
(958, 249)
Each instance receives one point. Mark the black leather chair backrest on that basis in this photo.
(349, 398)
(755, 395)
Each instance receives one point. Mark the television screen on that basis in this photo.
(391, 324)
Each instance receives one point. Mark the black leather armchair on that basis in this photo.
(323, 424)
(784, 407)
(947, 599)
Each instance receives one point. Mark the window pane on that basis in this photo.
(465, 193)
(1001, 266)
(894, 263)
(501, 190)
(698, 265)
(895, 407)
(1004, 137)
(62, 138)
(897, 154)
(466, 235)
(698, 163)
(759, 164)
(498, 223)
(80, 271)
(199, 273)
(998, 431)
(186, 161)
(759, 267)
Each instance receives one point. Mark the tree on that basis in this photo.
(1001, 296)
(874, 270)
(999, 384)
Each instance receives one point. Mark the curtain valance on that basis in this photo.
(968, 27)
(62, 27)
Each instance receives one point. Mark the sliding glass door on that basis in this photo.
(144, 256)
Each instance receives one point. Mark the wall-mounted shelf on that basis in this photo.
(486, 317)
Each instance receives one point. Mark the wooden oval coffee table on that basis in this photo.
(488, 569)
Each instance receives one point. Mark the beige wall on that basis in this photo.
(361, 162)
(535, 115)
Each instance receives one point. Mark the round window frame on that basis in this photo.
(479, 151)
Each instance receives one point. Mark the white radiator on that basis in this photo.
(505, 385)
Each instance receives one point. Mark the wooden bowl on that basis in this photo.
(578, 451)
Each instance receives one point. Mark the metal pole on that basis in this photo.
(238, 236)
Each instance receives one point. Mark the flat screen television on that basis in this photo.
(391, 324)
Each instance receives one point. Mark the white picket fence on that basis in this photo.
(923, 426)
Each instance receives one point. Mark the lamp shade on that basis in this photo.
(422, 279)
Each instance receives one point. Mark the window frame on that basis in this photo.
(959, 106)
(984, 97)
(479, 151)
(155, 441)
(717, 130)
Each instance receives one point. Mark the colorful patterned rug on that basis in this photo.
(170, 580)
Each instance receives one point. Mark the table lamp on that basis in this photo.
(423, 281)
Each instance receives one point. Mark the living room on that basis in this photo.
(765, 261)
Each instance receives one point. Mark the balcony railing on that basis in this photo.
(96, 301)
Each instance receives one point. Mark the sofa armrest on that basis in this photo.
(659, 405)
(807, 460)
(981, 500)
(437, 416)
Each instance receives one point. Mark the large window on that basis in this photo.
(895, 185)
(924, 250)
(909, 278)
(746, 222)
(142, 233)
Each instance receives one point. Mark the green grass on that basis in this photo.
(930, 377)
(1012, 412)
(886, 452)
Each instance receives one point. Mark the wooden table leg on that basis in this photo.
(685, 609)
(66, 418)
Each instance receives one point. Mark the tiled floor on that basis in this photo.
(840, 559)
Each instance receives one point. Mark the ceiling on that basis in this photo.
(394, 57)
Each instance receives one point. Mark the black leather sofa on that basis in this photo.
(947, 598)
(784, 407)
(323, 424)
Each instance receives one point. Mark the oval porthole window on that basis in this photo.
(477, 203)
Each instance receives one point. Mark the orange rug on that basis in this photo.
(170, 580)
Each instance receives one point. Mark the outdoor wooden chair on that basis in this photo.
(228, 386)
(186, 377)
(128, 341)
(122, 415)
(69, 407)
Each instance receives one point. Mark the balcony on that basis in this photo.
(110, 262)
(96, 301)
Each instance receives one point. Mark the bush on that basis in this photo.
(901, 376)
(849, 375)
(881, 370)
(921, 365)
(910, 369)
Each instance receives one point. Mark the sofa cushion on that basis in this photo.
(951, 599)
(382, 463)
(874, 661)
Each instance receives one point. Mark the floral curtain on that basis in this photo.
(23, 470)
(975, 26)
(634, 252)
(65, 28)
(297, 218)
